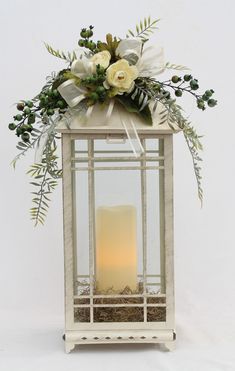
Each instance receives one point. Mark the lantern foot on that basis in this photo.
(170, 346)
(69, 347)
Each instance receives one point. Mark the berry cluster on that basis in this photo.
(49, 101)
(85, 41)
(94, 84)
(24, 120)
(190, 85)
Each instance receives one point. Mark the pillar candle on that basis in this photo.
(116, 248)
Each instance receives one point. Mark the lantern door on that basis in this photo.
(118, 239)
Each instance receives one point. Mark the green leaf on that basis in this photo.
(132, 106)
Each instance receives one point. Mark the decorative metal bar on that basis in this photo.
(68, 234)
(169, 230)
(139, 275)
(162, 220)
(118, 151)
(143, 168)
(74, 216)
(91, 168)
(119, 296)
(116, 159)
(119, 305)
(91, 226)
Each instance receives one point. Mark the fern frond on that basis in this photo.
(23, 147)
(172, 115)
(194, 145)
(69, 57)
(143, 29)
(178, 67)
(44, 177)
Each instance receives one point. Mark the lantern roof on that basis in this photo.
(101, 123)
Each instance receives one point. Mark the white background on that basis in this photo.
(199, 34)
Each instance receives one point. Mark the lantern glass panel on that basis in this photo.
(115, 192)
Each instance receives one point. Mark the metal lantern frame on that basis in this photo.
(160, 160)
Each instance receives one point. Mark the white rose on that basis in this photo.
(121, 76)
(101, 58)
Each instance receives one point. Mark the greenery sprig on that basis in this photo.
(45, 175)
(143, 29)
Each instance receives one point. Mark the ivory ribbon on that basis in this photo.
(73, 95)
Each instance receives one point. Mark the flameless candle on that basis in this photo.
(116, 248)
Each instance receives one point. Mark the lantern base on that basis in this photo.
(72, 338)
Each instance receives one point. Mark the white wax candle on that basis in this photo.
(116, 248)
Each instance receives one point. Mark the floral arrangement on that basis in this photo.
(118, 69)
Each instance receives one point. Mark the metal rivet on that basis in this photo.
(142, 337)
(95, 338)
(131, 337)
(119, 337)
(154, 337)
(84, 338)
(107, 337)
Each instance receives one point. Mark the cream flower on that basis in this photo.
(121, 75)
(101, 58)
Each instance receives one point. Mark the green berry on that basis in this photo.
(194, 84)
(29, 103)
(20, 106)
(27, 110)
(205, 97)
(212, 102)
(18, 117)
(31, 118)
(24, 128)
(187, 77)
(99, 69)
(89, 44)
(89, 33)
(93, 79)
(50, 112)
(100, 90)
(83, 33)
(209, 93)
(55, 93)
(201, 104)
(12, 126)
(25, 137)
(81, 42)
(175, 79)
(94, 96)
(101, 78)
(178, 93)
(60, 104)
(18, 132)
(92, 45)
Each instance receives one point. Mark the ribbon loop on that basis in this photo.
(71, 93)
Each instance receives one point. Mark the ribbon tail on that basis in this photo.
(133, 137)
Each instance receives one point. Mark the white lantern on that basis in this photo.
(118, 232)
